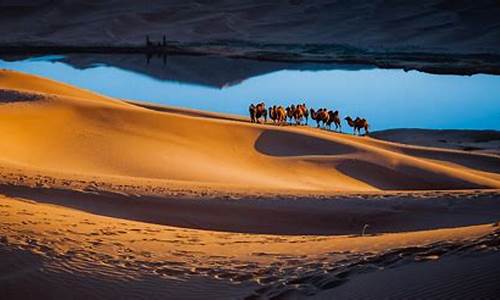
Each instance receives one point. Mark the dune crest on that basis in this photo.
(75, 131)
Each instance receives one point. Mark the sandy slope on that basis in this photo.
(104, 198)
(49, 126)
(52, 252)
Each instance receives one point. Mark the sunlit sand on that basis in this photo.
(100, 195)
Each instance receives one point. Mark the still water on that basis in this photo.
(387, 98)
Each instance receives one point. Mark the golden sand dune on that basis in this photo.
(104, 198)
(51, 126)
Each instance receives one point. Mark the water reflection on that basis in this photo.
(388, 98)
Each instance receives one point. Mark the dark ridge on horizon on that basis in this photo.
(434, 36)
(331, 57)
(447, 26)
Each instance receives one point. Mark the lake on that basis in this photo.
(388, 98)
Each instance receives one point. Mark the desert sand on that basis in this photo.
(104, 197)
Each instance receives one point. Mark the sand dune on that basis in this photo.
(61, 252)
(103, 197)
(476, 277)
(69, 130)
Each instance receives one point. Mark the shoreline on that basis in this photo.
(428, 62)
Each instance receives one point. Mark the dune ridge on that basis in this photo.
(103, 197)
(80, 132)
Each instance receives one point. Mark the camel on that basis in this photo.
(281, 115)
(272, 114)
(357, 124)
(289, 113)
(257, 111)
(277, 114)
(334, 118)
(321, 115)
(299, 113)
(306, 113)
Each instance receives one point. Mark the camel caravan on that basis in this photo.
(297, 114)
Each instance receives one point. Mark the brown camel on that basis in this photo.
(277, 114)
(306, 113)
(289, 113)
(357, 124)
(257, 111)
(321, 115)
(299, 113)
(281, 115)
(334, 118)
(272, 114)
